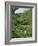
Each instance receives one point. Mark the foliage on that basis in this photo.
(21, 25)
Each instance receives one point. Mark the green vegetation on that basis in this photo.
(21, 25)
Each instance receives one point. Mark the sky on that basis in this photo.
(21, 10)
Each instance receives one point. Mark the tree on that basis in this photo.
(13, 10)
